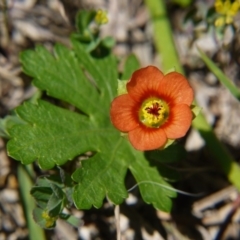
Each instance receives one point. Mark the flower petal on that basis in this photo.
(144, 139)
(122, 113)
(144, 82)
(179, 121)
(176, 87)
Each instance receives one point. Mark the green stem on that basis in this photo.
(220, 75)
(4, 41)
(163, 36)
(165, 45)
(25, 184)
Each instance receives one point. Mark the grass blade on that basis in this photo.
(220, 75)
(25, 184)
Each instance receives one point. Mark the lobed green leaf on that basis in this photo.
(53, 135)
(106, 173)
(152, 186)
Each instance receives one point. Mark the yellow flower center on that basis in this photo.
(153, 112)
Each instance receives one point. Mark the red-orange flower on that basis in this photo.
(156, 108)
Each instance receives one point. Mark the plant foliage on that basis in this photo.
(83, 83)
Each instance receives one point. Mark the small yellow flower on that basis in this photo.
(101, 17)
(49, 220)
(227, 9)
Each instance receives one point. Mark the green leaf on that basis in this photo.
(76, 222)
(44, 181)
(62, 77)
(54, 205)
(41, 194)
(51, 138)
(103, 72)
(56, 190)
(102, 173)
(42, 218)
(168, 143)
(108, 42)
(93, 45)
(8, 122)
(195, 110)
(183, 3)
(53, 135)
(64, 178)
(122, 89)
(173, 153)
(152, 185)
(83, 19)
(131, 65)
(49, 197)
(220, 75)
(37, 216)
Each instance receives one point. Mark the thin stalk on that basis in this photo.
(163, 37)
(4, 24)
(25, 184)
(117, 221)
(220, 75)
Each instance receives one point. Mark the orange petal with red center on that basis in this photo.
(123, 113)
(144, 139)
(179, 121)
(144, 82)
(176, 87)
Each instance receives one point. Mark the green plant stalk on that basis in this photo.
(220, 153)
(25, 184)
(165, 45)
(163, 36)
(220, 75)
(4, 41)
